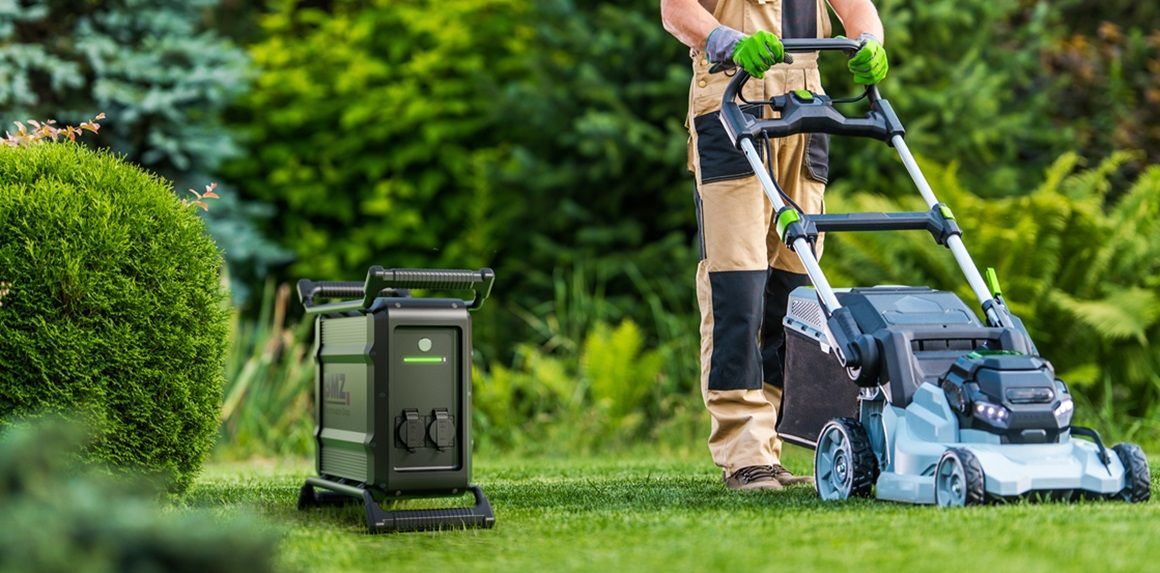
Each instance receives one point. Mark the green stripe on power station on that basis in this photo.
(424, 359)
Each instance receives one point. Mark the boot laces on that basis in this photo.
(751, 474)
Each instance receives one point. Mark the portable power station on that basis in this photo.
(392, 390)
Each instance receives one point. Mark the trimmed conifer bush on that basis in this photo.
(114, 307)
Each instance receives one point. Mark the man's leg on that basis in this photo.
(733, 218)
(801, 183)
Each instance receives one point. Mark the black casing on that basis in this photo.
(369, 400)
(817, 389)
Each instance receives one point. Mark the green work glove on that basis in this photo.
(759, 52)
(869, 65)
(755, 54)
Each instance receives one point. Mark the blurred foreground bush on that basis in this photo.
(61, 516)
(114, 306)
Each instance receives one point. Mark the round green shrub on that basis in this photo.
(115, 308)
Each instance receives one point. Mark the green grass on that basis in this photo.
(652, 514)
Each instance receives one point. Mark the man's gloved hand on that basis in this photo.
(755, 54)
(869, 65)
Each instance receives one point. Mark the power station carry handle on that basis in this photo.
(309, 290)
(479, 281)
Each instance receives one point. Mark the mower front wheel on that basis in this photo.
(959, 479)
(844, 463)
(1137, 476)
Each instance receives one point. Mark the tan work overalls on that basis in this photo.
(740, 249)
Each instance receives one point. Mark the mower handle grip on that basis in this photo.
(806, 45)
(821, 45)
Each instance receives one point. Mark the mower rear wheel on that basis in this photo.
(1137, 476)
(959, 479)
(844, 462)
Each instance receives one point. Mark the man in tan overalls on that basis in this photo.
(746, 273)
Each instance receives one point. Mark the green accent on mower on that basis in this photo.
(805, 95)
(993, 282)
(785, 219)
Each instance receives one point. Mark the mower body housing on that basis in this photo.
(928, 341)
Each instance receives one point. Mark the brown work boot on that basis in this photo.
(753, 478)
(784, 477)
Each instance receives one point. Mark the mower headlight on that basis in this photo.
(993, 414)
(1035, 395)
(1063, 411)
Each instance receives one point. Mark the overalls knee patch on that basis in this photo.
(737, 313)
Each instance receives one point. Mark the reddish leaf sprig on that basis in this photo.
(200, 198)
(38, 132)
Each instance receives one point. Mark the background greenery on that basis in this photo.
(160, 69)
(545, 139)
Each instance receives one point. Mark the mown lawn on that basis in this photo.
(655, 514)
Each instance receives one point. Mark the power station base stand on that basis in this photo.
(344, 492)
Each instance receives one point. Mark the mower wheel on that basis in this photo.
(1137, 476)
(959, 479)
(844, 463)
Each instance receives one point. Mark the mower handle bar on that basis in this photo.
(394, 282)
(812, 114)
(821, 44)
(806, 45)
(801, 111)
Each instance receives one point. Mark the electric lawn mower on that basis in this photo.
(902, 391)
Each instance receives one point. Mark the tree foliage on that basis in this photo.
(160, 75)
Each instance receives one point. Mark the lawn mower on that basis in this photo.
(904, 392)
(392, 404)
